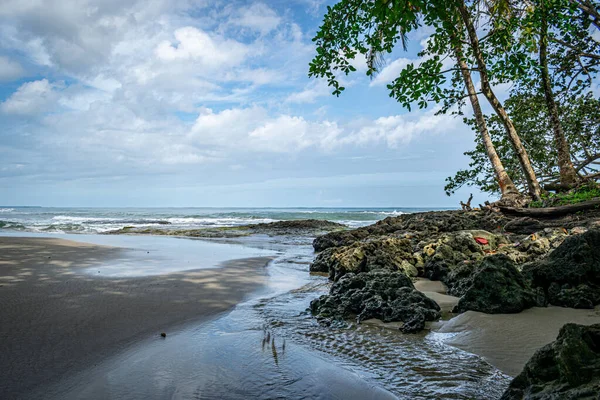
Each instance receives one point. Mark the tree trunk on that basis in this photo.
(507, 187)
(532, 182)
(590, 9)
(568, 176)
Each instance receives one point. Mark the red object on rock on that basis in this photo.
(481, 240)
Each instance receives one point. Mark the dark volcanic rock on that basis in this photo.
(570, 275)
(525, 226)
(568, 368)
(495, 287)
(436, 270)
(389, 296)
(428, 223)
(295, 226)
(323, 260)
(385, 253)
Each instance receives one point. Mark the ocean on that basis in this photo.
(100, 220)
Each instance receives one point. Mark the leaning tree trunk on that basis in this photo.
(507, 187)
(568, 175)
(532, 182)
(589, 9)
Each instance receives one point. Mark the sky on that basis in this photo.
(205, 103)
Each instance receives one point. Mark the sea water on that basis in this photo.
(100, 220)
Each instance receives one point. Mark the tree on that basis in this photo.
(580, 118)
(550, 34)
(486, 88)
(353, 27)
(568, 175)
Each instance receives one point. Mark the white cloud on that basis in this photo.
(10, 70)
(390, 71)
(209, 51)
(258, 17)
(150, 86)
(253, 129)
(317, 88)
(30, 98)
(397, 130)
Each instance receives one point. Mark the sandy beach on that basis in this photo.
(507, 341)
(57, 318)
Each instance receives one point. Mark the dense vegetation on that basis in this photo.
(544, 137)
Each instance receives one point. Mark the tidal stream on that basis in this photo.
(269, 347)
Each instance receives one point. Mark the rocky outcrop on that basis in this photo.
(387, 295)
(428, 223)
(278, 228)
(568, 368)
(570, 275)
(387, 253)
(296, 227)
(493, 263)
(494, 286)
(524, 225)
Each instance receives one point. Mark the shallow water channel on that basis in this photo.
(270, 347)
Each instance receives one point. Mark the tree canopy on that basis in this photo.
(547, 50)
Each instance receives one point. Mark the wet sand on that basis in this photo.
(436, 291)
(57, 319)
(507, 341)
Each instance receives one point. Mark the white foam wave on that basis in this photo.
(6, 210)
(388, 213)
(71, 219)
(217, 222)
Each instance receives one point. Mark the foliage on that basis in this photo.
(510, 33)
(583, 193)
(580, 117)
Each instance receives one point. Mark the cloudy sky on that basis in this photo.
(203, 103)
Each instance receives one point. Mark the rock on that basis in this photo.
(525, 226)
(323, 260)
(570, 275)
(568, 368)
(295, 227)
(386, 253)
(458, 278)
(495, 287)
(428, 223)
(436, 270)
(387, 295)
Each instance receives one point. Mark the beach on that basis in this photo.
(508, 341)
(58, 318)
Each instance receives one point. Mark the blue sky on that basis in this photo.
(204, 103)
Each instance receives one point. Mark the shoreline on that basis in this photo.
(508, 341)
(58, 319)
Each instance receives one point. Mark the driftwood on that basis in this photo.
(549, 212)
(467, 206)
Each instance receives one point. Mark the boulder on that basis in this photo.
(524, 226)
(322, 261)
(568, 368)
(387, 295)
(387, 253)
(570, 275)
(495, 287)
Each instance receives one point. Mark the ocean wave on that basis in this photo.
(64, 228)
(11, 225)
(6, 210)
(67, 219)
(389, 213)
(217, 221)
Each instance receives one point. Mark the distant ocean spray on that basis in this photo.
(99, 220)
